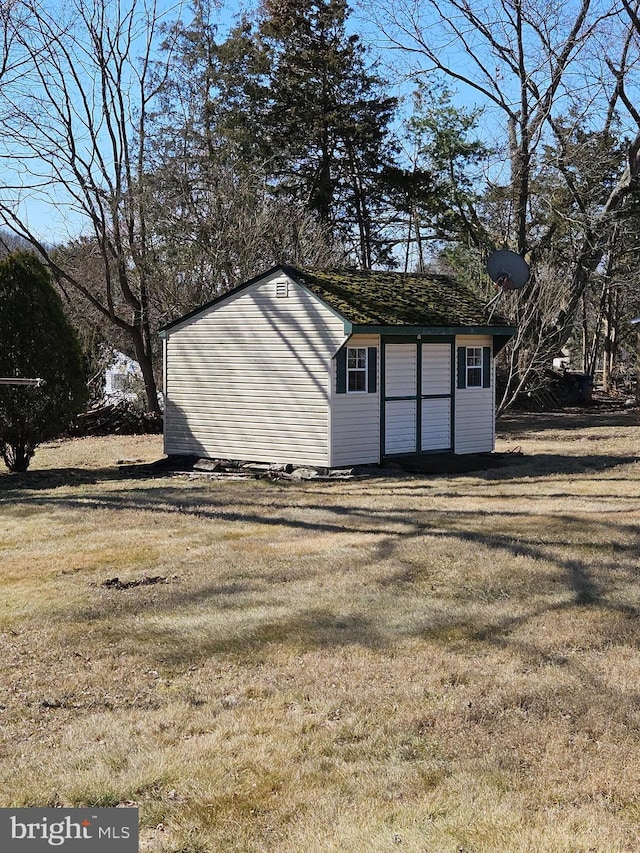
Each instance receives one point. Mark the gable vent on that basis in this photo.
(282, 288)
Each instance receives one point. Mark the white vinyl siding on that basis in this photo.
(400, 426)
(400, 370)
(475, 409)
(400, 416)
(436, 423)
(355, 419)
(436, 369)
(249, 378)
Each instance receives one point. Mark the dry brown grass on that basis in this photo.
(405, 663)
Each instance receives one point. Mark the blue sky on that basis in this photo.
(48, 212)
(51, 217)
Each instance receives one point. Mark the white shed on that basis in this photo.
(331, 369)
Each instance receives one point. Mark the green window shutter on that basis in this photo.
(372, 369)
(341, 371)
(486, 367)
(462, 367)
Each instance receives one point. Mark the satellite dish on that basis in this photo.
(508, 270)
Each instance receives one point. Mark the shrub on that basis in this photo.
(36, 342)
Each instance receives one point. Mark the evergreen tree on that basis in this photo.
(214, 214)
(36, 342)
(328, 121)
(287, 103)
(435, 195)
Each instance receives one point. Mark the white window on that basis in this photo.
(356, 369)
(474, 367)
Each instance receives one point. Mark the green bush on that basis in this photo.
(36, 342)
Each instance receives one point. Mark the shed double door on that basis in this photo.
(417, 397)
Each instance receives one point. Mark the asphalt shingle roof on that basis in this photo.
(375, 298)
(386, 299)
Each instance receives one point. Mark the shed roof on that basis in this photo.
(378, 298)
(385, 300)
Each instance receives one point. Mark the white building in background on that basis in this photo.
(121, 378)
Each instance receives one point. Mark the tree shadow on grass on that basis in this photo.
(236, 503)
(495, 466)
(315, 627)
(507, 466)
(41, 479)
(277, 509)
(573, 418)
(304, 631)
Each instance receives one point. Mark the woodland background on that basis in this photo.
(180, 150)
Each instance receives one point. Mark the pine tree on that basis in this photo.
(435, 194)
(328, 121)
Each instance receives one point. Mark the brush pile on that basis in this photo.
(121, 418)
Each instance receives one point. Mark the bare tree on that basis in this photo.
(12, 59)
(529, 64)
(509, 55)
(75, 132)
(210, 237)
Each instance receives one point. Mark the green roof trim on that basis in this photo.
(350, 329)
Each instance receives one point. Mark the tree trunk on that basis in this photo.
(610, 337)
(144, 359)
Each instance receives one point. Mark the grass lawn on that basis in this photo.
(412, 663)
